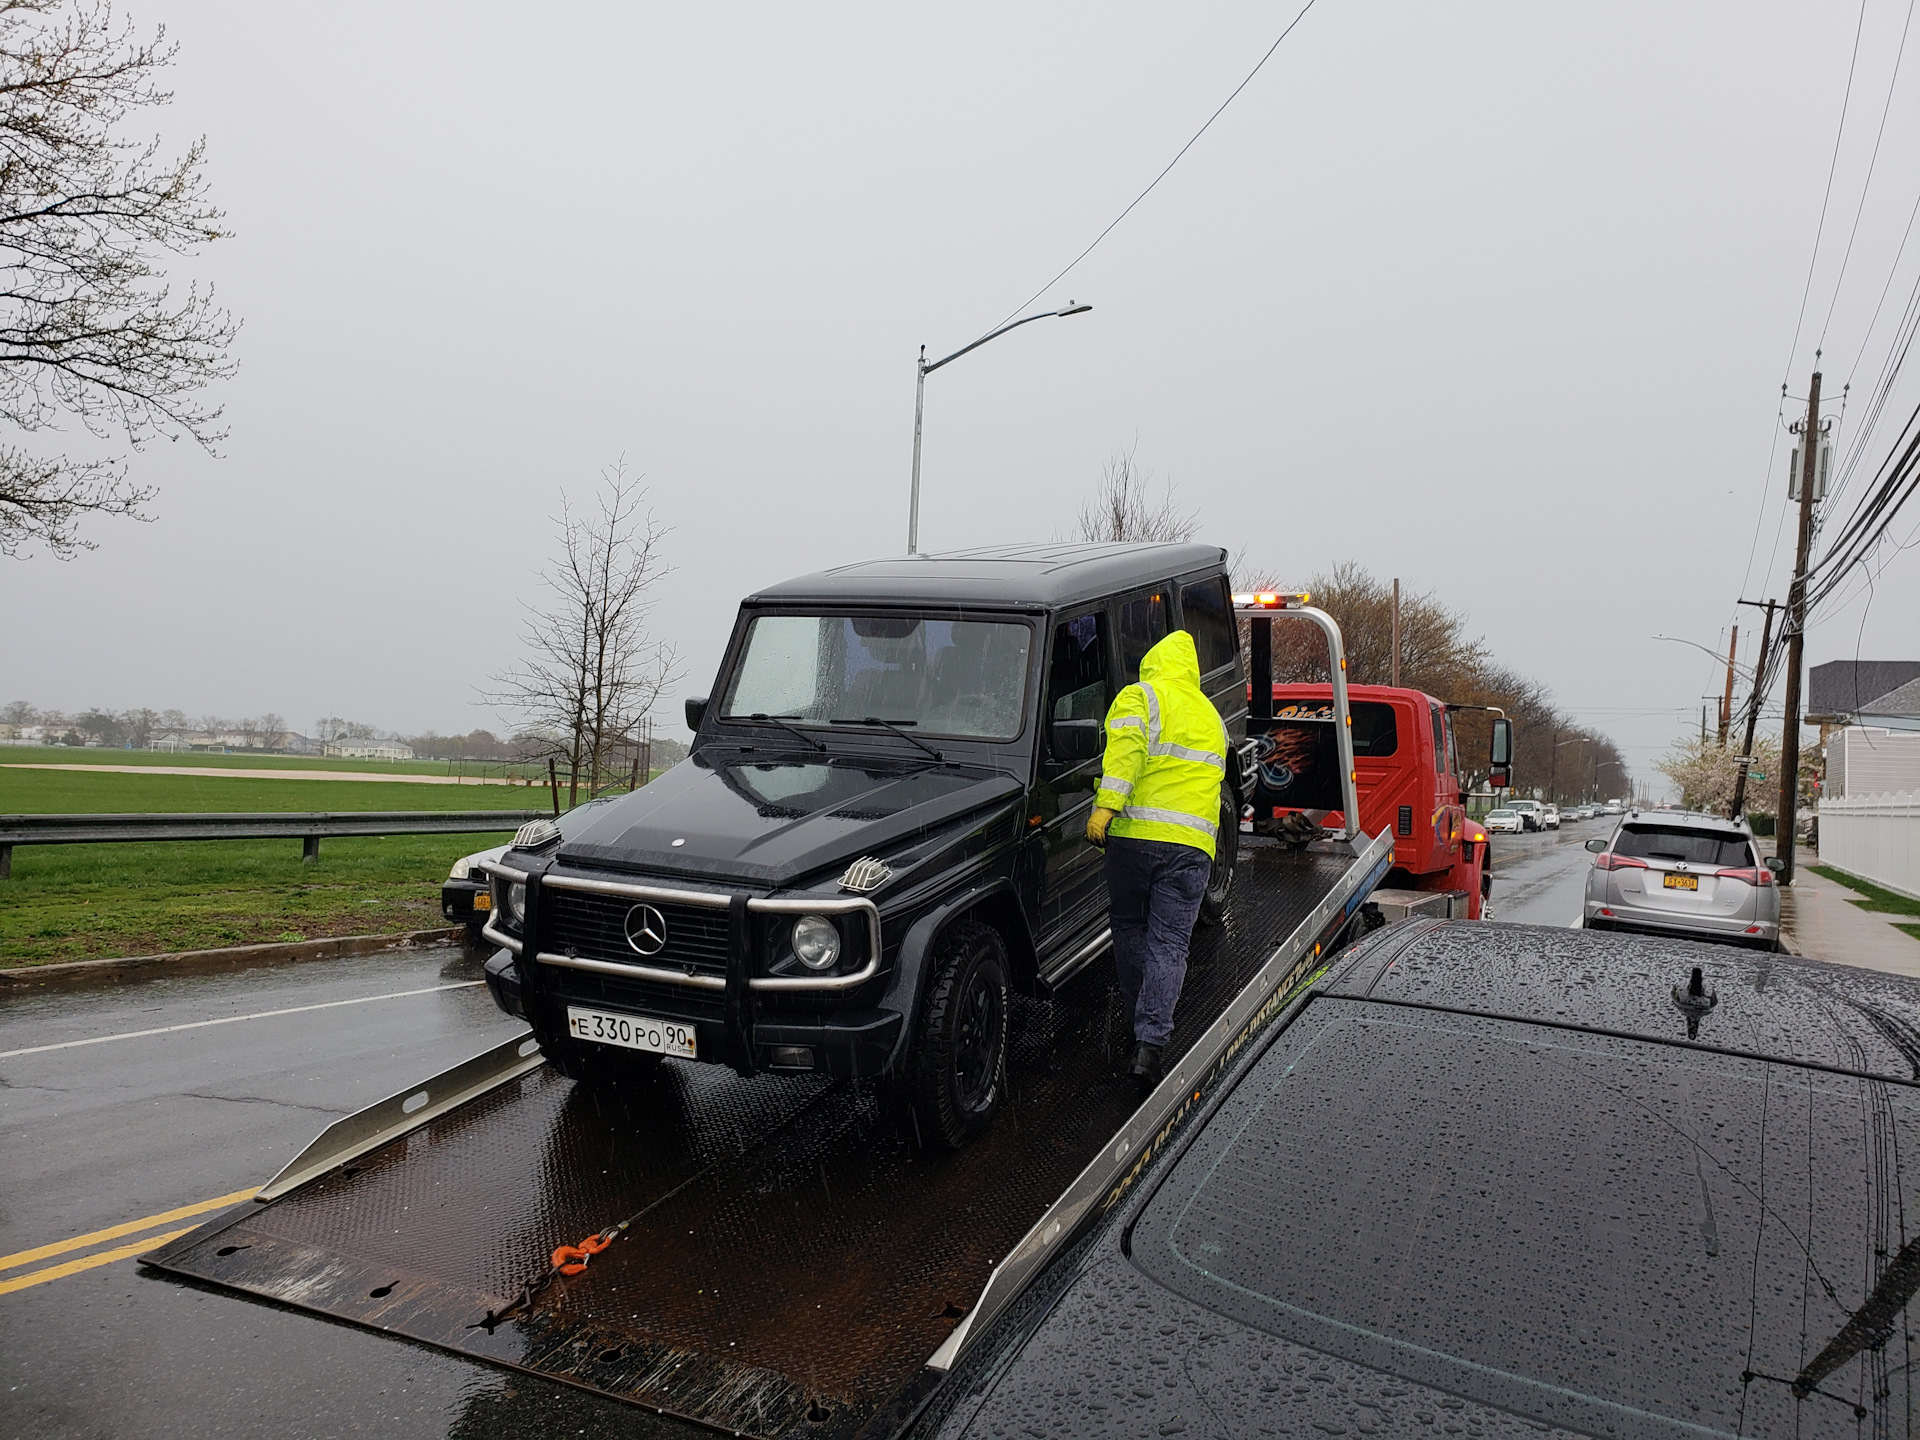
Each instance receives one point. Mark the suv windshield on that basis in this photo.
(1684, 846)
(937, 676)
(1617, 1236)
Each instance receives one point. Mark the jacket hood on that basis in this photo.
(778, 821)
(1173, 661)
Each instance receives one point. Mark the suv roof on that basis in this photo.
(1043, 576)
(1687, 820)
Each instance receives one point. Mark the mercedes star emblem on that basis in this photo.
(646, 930)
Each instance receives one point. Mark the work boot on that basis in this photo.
(1146, 1068)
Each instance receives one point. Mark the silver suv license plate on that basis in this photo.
(634, 1032)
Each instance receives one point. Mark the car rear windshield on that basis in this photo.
(1621, 1237)
(1683, 845)
(934, 675)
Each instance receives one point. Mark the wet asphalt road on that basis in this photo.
(105, 1134)
(1540, 879)
(98, 1135)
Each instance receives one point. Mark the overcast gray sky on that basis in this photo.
(1496, 298)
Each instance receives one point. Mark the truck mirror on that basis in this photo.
(696, 712)
(1596, 846)
(1076, 740)
(1502, 753)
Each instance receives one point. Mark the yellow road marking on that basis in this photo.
(87, 1262)
(131, 1227)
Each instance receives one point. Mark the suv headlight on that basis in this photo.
(512, 898)
(816, 942)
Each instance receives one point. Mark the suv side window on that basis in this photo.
(1206, 615)
(1077, 673)
(1143, 624)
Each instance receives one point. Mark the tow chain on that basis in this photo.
(570, 1260)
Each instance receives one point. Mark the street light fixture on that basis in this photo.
(920, 402)
(1745, 671)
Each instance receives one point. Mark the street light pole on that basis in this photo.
(920, 402)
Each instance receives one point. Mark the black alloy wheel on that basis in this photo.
(1226, 853)
(959, 1068)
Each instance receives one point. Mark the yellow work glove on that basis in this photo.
(1097, 826)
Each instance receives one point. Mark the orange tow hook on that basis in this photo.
(572, 1259)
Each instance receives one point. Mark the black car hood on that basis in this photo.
(1120, 1356)
(774, 822)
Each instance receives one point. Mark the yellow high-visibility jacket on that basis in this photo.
(1166, 752)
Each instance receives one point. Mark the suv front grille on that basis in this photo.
(594, 927)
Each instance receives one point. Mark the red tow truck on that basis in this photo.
(1396, 760)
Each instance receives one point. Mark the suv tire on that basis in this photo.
(599, 1065)
(957, 1077)
(1226, 853)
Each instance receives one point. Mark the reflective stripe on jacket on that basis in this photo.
(1166, 752)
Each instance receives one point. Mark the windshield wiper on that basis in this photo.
(781, 721)
(894, 726)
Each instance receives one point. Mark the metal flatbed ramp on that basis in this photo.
(793, 1260)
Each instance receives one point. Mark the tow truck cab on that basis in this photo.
(879, 831)
(1407, 772)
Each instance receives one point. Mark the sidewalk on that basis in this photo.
(1820, 922)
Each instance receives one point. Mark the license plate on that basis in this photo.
(1681, 882)
(483, 901)
(633, 1032)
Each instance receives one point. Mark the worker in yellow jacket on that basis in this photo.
(1158, 815)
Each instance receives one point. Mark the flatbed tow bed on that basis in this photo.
(825, 1272)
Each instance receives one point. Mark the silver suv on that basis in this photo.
(1677, 873)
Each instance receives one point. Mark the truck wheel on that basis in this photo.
(958, 1074)
(598, 1065)
(1226, 852)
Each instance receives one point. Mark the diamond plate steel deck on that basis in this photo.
(796, 1258)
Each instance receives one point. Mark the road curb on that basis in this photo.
(85, 974)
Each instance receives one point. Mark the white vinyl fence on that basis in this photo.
(1876, 837)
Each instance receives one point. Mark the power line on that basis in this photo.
(1867, 184)
(1170, 164)
(1832, 165)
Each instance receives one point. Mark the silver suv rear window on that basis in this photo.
(1685, 846)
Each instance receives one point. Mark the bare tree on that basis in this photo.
(593, 669)
(1122, 506)
(89, 328)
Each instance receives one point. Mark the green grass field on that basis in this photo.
(65, 755)
(76, 902)
(1883, 901)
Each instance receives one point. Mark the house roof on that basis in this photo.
(1845, 687)
(1903, 701)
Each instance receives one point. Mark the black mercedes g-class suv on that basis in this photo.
(878, 833)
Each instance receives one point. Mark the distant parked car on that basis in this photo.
(467, 896)
(1612, 807)
(1531, 813)
(1550, 818)
(1507, 821)
(1673, 872)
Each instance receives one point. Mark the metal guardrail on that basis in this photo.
(308, 828)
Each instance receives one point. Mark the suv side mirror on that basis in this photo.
(1775, 863)
(1074, 741)
(1596, 846)
(696, 712)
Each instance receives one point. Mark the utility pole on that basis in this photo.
(1393, 666)
(1796, 638)
(1739, 805)
(1726, 703)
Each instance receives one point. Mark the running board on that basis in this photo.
(1110, 1173)
(1078, 961)
(388, 1119)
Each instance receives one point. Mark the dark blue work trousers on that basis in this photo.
(1154, 888)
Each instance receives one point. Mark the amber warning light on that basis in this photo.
(1273, 599)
